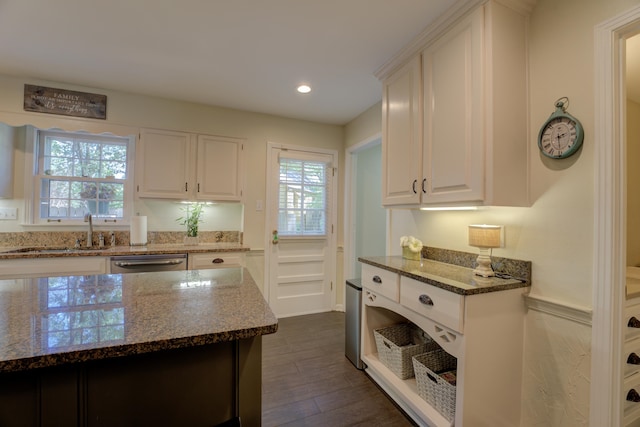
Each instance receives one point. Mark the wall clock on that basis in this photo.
(562, 134)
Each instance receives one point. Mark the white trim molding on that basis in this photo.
(574, 313)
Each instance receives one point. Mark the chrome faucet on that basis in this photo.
(87, 218)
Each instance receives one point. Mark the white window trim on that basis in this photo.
(30, 217)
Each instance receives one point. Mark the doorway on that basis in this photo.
(365, 218)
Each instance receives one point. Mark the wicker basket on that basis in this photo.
(432, 387)
(398, 343)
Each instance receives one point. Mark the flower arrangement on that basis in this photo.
(192, 219)
(411, 248)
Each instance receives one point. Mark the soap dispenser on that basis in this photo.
(101, 241)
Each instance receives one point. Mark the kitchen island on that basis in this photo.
(166, 348)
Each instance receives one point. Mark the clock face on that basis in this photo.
(558, 138)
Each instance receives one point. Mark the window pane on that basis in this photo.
(302, 197)
(100, 160)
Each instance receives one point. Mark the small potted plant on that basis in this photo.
(192, 220)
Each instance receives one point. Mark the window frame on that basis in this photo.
(37, 175)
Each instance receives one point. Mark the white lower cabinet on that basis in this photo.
(215, 260)
(631, 363)
(483, 331)
(55, 266)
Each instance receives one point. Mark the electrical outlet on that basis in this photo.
(8, 213)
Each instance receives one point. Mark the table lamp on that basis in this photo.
(485, 237)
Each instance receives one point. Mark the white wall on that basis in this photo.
(126, 113)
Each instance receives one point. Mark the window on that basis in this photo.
(81, 173)
(303, 196)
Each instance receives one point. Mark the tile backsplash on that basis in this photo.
(68, 238)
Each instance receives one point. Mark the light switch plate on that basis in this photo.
(8, 213)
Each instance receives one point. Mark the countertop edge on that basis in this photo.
(85, 355)
(508, 285)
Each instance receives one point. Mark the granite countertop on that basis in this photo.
(60, 251)
(453, 278)
(57, 320)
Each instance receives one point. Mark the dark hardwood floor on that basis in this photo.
(307, 380)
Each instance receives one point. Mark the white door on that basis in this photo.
(301, 246)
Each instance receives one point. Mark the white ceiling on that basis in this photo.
(243, 54)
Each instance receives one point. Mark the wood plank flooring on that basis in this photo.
(307, 380)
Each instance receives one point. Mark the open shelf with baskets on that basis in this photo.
(483, 332)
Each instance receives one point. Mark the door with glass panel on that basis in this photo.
(300, 248)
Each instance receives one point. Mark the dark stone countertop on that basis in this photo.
(27, 252)
(453, 278)
(58, 320)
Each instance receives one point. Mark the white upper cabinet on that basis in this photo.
(6, 161)
(219, 168)
(452, 159)
(163, 164)
(469, 132)
(402, 150)
(186, 166)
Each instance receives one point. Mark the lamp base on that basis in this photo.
(483, 267)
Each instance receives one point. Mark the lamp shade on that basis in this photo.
(485, 236)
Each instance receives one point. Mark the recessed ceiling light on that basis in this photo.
(304, 89)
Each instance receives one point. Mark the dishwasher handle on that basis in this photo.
(154, 262)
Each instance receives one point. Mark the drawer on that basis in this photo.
(631, 389)
(215, 260)
(444, 307)
(381, 281)
(631, 357)
(632, 322)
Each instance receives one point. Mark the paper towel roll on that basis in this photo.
(138, 231)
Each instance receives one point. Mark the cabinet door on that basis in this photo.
(162, 164)
(401, 138)
(453, 157)
(48, 267)
(6, 161)
(219, 168)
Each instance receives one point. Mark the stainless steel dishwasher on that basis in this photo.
(144, 263)
(352, 322)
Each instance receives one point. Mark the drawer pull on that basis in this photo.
(377, 279)
(217, 261)
(633, 396)
(633, 359)
(633, 323)
(425, 299)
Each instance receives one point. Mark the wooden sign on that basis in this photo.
(43, 99)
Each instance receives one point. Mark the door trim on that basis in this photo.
(606, 404)
(269, 220)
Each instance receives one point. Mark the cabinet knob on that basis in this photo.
(633, 396)
(633, 359)
(217, 261)
(425, 299)
(377, 279)
(633, 322)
